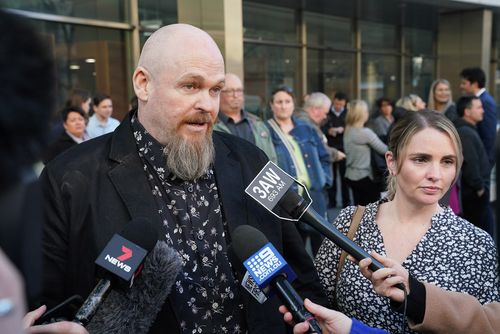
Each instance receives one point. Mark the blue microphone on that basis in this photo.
(270, 272)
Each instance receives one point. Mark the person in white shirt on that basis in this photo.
(101, 122)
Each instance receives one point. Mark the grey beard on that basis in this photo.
(189, 160)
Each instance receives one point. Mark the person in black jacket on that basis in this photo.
(164, 163)
(475, 170)
(333, 129)
(74, 133)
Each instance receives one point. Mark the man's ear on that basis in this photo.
(141, 81)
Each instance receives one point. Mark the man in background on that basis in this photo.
(235, 120)
(334, 131)
(475, 176)
(473, 81)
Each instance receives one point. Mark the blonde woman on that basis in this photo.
(409, 226)
(441, 100)
(358, 142)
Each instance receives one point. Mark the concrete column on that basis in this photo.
(464, 40)
(223, 20)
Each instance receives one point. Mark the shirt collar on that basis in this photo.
(480, 92)
(225, 119)
(76, 139)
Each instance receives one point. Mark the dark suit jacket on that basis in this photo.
(63, 142)
(487, 128)
(96, 188)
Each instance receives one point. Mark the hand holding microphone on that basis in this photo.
(270, 272)
(271, 189)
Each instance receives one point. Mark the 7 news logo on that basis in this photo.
(118, 262)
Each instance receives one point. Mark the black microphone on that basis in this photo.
(120, 261)
(135, 310)
(271, 188)
(296, 206)
(270, 271)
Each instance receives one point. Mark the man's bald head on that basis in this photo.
(232, 98)
(170, 43)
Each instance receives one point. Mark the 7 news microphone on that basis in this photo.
(130, 306)
(270, 271)
(271, 188)
(120, 262)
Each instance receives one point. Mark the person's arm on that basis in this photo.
(330, 321)
(441, 311)
(374, 142)
(324, 157)
(455, 312)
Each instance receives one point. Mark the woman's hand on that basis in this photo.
(330, 321)
(384, 280)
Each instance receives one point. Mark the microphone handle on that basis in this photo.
(294, 303)
(313, 219)
(92, 303)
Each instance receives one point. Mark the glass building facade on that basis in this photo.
(365, 48)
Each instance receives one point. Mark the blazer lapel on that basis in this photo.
(128, 176)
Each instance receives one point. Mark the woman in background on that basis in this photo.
(441, 100)
(358, 142)
(301, 153)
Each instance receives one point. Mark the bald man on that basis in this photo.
(166, 164)
(235, 120)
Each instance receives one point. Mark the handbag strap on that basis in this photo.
(356, 219)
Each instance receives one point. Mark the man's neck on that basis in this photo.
(469, 121)
(101, 119)
(234, 115)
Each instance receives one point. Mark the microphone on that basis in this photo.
(270, 271)
(271, 189)
(135, 311)
(120, 261)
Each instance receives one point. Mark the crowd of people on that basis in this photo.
(165, 163)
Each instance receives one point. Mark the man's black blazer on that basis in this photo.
(94, 189)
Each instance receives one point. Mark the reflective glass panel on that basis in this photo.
(88, 58)
(328, 30)
(154, 14)
(419, 75)
(419, 42)
(379, 77)
(377, 36)
(269, 23)
(330, 72)
(111, 10)
(267, 67)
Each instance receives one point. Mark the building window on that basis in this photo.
(328, 31)
(379, 77)
(265, 68)
(107, 10)
(89, 58)
(269, 23)
(154, 14)
(330, 72)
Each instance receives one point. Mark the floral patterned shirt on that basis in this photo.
(206, 293)
(453, 254)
